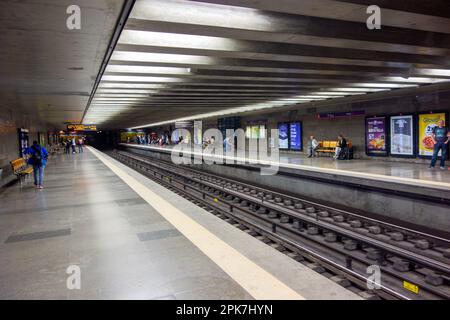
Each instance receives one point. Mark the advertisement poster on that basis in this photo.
(198, 136)
(262, 131)
(426, 124)
(255, 131)
(376, 136)
(295, 135)
(283, 131)
(402, 140)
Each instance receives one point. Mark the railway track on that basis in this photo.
(339, 244)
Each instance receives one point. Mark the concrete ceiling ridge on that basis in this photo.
(49, 68)
(207, 58)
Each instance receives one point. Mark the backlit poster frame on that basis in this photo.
(423, 131)
(299, 135)
(283, 145)
(374, 136)
(394, 136)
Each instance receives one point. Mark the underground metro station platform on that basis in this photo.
(220, 150)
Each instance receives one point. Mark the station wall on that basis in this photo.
(10, 121)
(353, 128)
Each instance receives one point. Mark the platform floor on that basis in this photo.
(131, 240)
(394, 171)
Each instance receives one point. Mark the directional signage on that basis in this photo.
(81, 127)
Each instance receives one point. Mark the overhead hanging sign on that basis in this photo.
(333, 115)
(81, 127)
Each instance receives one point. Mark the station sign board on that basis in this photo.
(344, 114)
(81, 127)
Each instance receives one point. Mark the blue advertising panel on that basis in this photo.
(295, 135)
(283, 133)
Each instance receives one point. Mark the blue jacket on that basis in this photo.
(31, 150)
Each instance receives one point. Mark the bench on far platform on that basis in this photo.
(327, 147)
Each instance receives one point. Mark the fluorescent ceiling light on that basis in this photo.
(432, 72)
(382, 85)
(161, 58)
(412, 79)
(363, 90)
(202, 14)
(114, 95)
(139, 79)
(131, 85)
(147, 69)
(317, 96)
(175, 40)
(124, 91)
(334, 93)
(118, 99)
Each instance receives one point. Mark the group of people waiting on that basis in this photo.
(163, 139)
(341, 151)
(70, 145)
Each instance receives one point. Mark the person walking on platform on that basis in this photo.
(440, 139)
(80, 145)
(38, 159)
(312, 147)
(73, 142)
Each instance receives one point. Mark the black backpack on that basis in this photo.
(37, 156)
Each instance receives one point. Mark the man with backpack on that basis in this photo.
(38, 159)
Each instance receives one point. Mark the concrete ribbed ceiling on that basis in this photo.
(192, 59)
(47, 72)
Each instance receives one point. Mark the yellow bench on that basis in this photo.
(327, 147)
(20, 168)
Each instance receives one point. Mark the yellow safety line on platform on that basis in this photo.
(259, 283)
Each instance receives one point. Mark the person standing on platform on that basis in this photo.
(340, 147)
(312, 146)
(38, 159)
(80, 145)
(67, 144)
(440, 140)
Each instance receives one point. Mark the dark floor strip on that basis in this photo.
(38, 235)
(160, 234)
(78, 206)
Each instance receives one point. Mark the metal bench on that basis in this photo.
(20, 168)
(327, 147)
